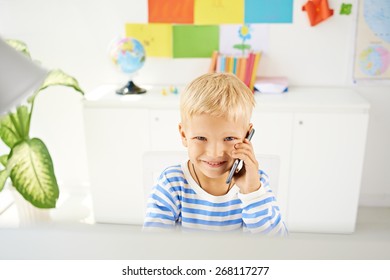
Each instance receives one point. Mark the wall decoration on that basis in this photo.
(171, 11)
(317, 11)
(240, 39)
(195, 40)
(345, 9)
(268, 11)
(196, 28)
(218, 11)
(372, 47)
(156, 38)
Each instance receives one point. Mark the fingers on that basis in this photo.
(244, 151)
(248, 177)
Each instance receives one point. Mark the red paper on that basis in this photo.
(317, 11)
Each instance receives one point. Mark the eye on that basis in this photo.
(200, 138)
(230, 138)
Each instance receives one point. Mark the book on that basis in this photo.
(235, 65)
(244, 67)
(254, 70)
(230, 64)
(227, 64)
(213, 64)
(222, 64)
(249, 68)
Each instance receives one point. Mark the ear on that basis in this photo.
(183, 135)
(250, 128)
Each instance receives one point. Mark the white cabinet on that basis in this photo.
(318, 134)
(164, 130)
(326, 166)
(116, 140)
(273, 137)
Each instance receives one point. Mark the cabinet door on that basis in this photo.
(116, 141)
(164, 130)
(273, 137)
(327, 160)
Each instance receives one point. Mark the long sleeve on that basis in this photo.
(163, 205)
(260, 211)
(176, 200)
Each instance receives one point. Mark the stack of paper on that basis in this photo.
(271, 84)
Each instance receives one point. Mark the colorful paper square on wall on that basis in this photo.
(268, 11)
(236, 39)
(171, 11)
(218, 11)
(195, 40)
(156, 38)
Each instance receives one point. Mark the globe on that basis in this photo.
(374, 60)
(128, 55)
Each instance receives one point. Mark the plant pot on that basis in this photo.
(28, 214)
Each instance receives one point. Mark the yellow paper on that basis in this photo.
(218, 11)
(156, 38)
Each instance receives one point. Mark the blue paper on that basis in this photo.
(268, 11)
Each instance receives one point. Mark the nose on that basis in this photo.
(215, 149)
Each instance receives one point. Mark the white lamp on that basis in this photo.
(19, 77)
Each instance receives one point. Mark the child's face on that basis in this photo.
(210, 141)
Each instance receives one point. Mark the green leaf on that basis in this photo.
(3, 178)
(4, 174)
(59, 78)
(14, 127)
(8, 132)
(19, 46)
(33, 173)
(23, 116)
(4, 160)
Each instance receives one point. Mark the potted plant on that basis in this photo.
(28, 164)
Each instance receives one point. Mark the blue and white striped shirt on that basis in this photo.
(177, 199)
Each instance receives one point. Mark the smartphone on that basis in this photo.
(238, 162)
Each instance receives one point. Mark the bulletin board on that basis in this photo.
(372, 46)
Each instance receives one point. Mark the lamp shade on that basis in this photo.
(19, 77)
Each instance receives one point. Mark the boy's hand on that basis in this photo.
(248, 178)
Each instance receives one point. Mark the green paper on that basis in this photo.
(345, 9)
(195, 40)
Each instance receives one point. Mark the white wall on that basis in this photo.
(74, 35)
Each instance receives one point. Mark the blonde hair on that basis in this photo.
(218, 95)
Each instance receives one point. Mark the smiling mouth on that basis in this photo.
(214, 163)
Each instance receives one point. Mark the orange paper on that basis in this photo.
(317, 11)
(171, 11)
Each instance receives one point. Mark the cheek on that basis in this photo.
(192, 148)
(229, 147)
(230, 144)
(195, 149)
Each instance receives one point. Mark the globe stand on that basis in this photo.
(130, 88)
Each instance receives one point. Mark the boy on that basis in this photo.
(215, 120)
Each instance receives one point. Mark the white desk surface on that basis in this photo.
(111, 241)
(302, 99)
